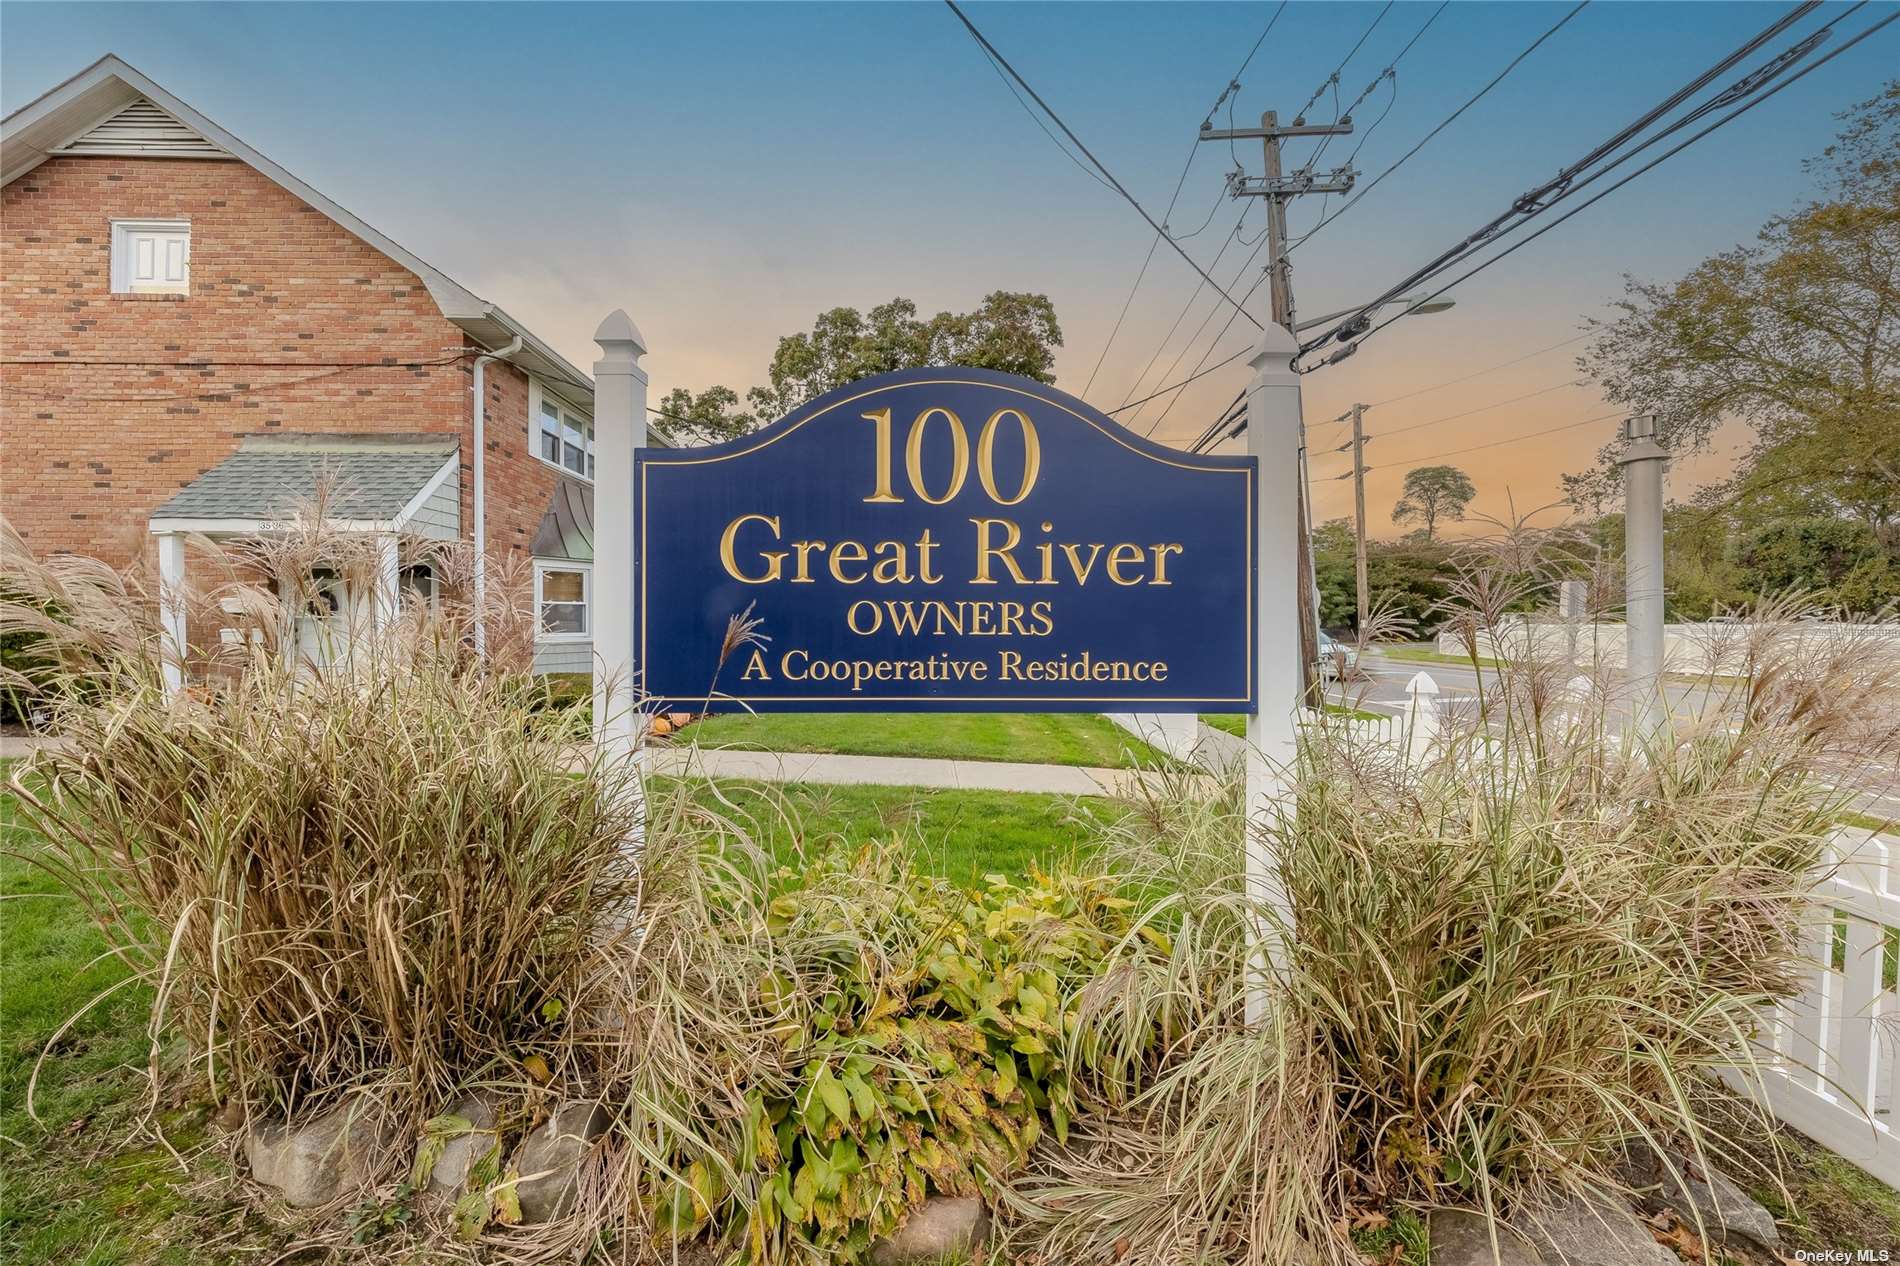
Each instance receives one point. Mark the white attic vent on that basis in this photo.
(143, 129)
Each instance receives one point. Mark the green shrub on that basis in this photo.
(920, 1043)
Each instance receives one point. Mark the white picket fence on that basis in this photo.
(1830, 1057)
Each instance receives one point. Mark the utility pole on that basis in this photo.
(1359, 515)
(1278, 188)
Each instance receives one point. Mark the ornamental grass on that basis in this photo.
(1497, 960)
(398, 880)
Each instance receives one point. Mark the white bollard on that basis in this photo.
(1422, 722)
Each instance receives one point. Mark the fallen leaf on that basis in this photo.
(537, 1068)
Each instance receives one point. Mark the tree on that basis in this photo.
(1821, 556)
(1009, 332)
(1410, 576)
(1433, 493)
(1797, 336)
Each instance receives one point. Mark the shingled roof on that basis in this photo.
(364, 478)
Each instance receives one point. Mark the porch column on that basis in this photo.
(171, 610)
(620, 430)
(1273, 437)
(388, 583)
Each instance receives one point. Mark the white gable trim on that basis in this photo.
(450, 469)
(142, 130)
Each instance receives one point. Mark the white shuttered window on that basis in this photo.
(151, 257)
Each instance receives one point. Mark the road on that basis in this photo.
(1874, 784)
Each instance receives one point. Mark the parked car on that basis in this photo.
(1337, 660)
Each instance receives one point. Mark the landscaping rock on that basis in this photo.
(549, 1160)
(1597, 1230)
(1462, 1237)
(316, 1162)
(939, 1228)
(1729, 1214)
(449, 1175)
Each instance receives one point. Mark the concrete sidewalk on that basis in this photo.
(900, 771)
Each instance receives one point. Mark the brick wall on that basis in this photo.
(111, 403)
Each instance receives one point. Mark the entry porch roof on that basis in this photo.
(363, 483)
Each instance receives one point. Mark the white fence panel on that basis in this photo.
(1830, 1057)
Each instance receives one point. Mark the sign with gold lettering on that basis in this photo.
(946, 539)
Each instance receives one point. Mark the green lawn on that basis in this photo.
(1425, 655)
(961, 835)
(1235, 723)
(1049, 738)
(83, 1187)
(1870, 822)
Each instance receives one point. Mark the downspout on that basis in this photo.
(480, 498)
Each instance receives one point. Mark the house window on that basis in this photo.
(417, 586)
(151, 257)
(561, 596)
(562, 437)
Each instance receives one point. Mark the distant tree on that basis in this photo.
(711, 417)
(1797, 336)
(1433, 493)
(1009, 332)
(1819, 555)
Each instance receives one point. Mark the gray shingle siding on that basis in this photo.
(440, 517)
(564, 657)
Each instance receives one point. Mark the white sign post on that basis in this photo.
(620, 430)
(1273, 436)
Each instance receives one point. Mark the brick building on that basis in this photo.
(194, 338)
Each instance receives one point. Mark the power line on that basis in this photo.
(1332, 80)
(1452, 382)
(1447, 122)
(1749, 104)
(1513, 439)
(1106, 173)
(1232, 236)
(1212, 343)
(1573, 178)
(1483, 408)
(1277, 266)
(1390, 72)
(1053, 138)
(1233, 87)
(1178, 385)
(1180, 316)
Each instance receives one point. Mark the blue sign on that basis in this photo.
(945, 540)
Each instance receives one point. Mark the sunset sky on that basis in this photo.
(724, 172)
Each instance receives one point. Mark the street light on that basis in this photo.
(1423, 309)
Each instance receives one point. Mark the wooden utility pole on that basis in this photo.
(1359, 514)
(1278, 280)
(1278, 188)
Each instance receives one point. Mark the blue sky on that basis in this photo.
(725, 171)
